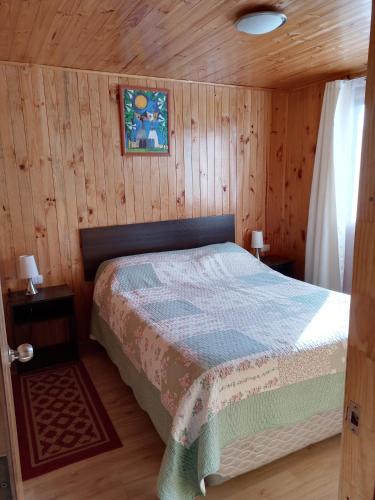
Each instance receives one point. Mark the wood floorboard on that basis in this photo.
(130, 473)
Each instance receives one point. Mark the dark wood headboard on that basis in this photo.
(103, 243)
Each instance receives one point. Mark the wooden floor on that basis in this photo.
(130, 473)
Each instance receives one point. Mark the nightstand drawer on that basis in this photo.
(280, 264)
(285, 268)
(43, 311)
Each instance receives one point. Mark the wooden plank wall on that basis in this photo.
(357, 481)
(61, 167)
(291, 168)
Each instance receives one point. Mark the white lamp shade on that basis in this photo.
(28, 267)
(257, 239)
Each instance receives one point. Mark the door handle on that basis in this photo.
(24, 353)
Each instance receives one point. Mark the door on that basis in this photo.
(11, 483)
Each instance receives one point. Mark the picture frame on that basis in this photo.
(145, 121)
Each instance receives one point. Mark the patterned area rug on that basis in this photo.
(60, 419)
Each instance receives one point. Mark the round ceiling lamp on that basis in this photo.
(260, 23)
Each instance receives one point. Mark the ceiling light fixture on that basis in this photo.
(259, 23)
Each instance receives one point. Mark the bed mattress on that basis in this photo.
(229, 349)
(249, 453)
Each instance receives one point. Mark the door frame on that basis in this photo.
(357, 477)
(11, 438)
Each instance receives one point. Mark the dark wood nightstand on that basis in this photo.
(50, 303)
(280, 264)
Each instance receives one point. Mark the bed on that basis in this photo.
(236, 364)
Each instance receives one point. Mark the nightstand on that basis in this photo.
(49, 304)
(280, 264)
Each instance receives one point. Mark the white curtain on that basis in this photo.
(334, 192)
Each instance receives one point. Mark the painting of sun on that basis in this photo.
(144, 121)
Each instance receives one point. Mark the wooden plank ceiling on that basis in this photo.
(189, 39)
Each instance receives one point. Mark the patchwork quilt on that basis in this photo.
(231, 347)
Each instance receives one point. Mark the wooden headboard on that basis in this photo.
(103, 243)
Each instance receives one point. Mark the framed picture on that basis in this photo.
(144, 121)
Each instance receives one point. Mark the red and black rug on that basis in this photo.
(60, 419)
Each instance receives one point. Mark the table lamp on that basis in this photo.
(257, 241)
(28, 271)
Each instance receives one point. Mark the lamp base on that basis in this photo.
(30, 290)
(257, 255)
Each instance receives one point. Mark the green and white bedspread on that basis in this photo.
(231, 347)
